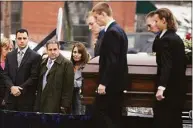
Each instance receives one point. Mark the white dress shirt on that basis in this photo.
(163, 32)
(108, 24)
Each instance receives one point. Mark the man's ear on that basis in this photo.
(164, 20)
(103, 14)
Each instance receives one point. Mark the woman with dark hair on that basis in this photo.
(79, 58)
(170, 84)
(6, 46)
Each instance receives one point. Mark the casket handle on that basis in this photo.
(150, 93)
(137, 92)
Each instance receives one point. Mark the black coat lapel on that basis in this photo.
(14, 59)
(53, 69)
(43, 67)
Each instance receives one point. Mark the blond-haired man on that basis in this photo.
(113, 69)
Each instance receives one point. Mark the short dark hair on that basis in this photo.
(22, 30)
(53, 42)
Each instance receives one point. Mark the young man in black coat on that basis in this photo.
(171, 85)
(113, 69)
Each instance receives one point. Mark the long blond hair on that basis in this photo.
(5, 42)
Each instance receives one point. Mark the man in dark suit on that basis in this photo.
(56, 82)
(113, 69)
(97, 36)
(97, 33)
(98, 43)
(21, 74)
(171, 84)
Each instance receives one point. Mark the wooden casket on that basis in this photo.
(142, 70)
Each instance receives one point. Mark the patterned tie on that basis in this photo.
(19, 57)
(49, 65)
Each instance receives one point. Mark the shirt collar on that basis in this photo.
(50, 65)
(108, 24)
(23, 50)
(163, 32)
(51, 60)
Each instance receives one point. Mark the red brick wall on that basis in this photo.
(40, 18)
(124, 14)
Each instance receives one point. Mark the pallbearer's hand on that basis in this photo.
(159, 94)
(101, 89)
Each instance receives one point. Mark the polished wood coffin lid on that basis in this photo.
(141, 63)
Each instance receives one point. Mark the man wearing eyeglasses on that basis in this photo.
(21, 74)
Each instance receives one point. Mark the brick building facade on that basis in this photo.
(40, 18)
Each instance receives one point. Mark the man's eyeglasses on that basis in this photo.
(20, 38)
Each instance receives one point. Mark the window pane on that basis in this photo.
(80, 30)
(81, 33)
(16, 6)
(15, 26)
(15, 16)
(77, 16)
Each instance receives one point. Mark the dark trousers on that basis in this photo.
(20, 103)
(88, 109)
(168, 114)
(3, 96)
(107, 111)
(76, 102)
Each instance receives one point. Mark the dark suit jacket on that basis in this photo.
(113, 70)
(98, 43)
(59, 88)
(170, 58)
(25, 76)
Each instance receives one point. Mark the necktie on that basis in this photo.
(49, 65)
(19, 57)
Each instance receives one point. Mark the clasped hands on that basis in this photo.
(16, 90)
